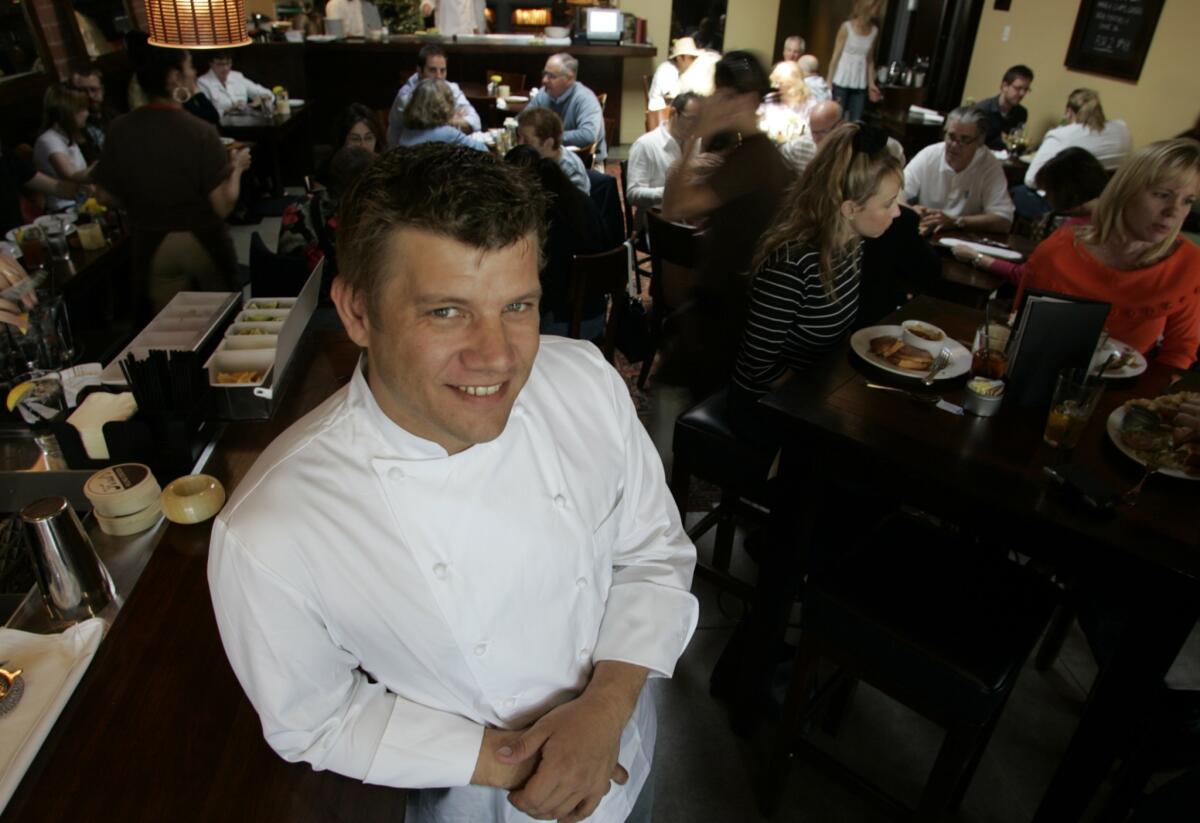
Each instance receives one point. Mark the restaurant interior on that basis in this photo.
(948, 558)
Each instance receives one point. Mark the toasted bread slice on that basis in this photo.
(910, 357)
(886, 345)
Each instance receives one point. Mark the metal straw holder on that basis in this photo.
(74, 582)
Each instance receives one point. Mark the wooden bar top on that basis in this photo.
(159, 728)
(474, 45)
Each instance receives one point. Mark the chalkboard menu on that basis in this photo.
(1113, 36)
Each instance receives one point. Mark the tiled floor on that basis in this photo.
(704, 772)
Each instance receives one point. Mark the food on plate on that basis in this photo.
(900, 354)
(927, 332)
(249, 376)
(1166, 428)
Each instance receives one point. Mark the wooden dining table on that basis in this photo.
(987, 474)
(286, 139)
(962, 282)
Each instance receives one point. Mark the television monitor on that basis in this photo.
(604, 25)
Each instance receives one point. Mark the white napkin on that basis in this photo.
(983, 248)
(51, 666)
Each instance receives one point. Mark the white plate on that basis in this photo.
(11, 249)
(68, 217)
(982, 248)
(320, 38)
(1114, 433)
(516, 98)
(860, 344)
(11, 234)
(295, 102)
(1132, 370)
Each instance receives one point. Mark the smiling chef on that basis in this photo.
(456, 574)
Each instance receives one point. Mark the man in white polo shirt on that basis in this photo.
(957, 184)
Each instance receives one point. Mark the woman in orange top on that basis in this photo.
(1132, 255)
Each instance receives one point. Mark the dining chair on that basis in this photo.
(674, 253)
(274, 275)
(641, 249)
(594, 276)
(929, 618)
(705, 446)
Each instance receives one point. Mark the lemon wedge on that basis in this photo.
(17, 393)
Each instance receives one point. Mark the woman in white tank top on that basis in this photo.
(852, 69)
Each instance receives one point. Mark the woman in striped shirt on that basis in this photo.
(804, 296)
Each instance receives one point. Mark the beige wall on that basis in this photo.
(750, 24)
(1164, 101)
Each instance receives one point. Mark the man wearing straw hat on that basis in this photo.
(665, 83)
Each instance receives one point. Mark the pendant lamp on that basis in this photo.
(197, 24)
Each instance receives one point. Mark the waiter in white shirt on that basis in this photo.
(456, 16)
(456, 574)
(230, 90)
(357, 16)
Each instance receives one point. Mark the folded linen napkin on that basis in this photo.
(51, 665)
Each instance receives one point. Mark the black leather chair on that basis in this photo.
(937, 624)
(706, 447)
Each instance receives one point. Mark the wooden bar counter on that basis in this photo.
(159, 728)
(336, 74)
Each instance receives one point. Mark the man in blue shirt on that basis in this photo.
(575, 103)
(431, 65)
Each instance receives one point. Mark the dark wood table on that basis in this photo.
(489, 114)
(963, 283)
(284, 137)
(987, 472)
(159, 728)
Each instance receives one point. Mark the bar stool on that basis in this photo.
(931, 622)
(706, 447)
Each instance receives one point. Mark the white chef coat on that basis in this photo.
(237, 88)
(475, 589)
(980, 188)
(459, 16)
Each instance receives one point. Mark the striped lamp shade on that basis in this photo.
(197, 24)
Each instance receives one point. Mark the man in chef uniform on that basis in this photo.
(456, 574)
(456, 16)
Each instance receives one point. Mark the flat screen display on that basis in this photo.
(604, 24)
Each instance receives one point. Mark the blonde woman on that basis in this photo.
(57, 152)
(804, 295)
(1132, 255)
(784, 115)
(852, 69)
(1087, 128)
(427, 117)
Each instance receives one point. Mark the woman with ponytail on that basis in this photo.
(170, 172)
(1085, 127)
(804, 292)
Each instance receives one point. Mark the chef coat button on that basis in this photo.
(560, 501)
(581, 583)
(481, 649)
(395, 473)
(584, 654)
(439, 571)
(510, 702)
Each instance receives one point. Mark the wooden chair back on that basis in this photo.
(646, 89)
(674, 253)
(600, 275)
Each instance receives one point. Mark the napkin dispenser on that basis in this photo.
(74, 582)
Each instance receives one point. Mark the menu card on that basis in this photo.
(1052, 332)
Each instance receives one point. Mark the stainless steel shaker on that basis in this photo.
(74, 582)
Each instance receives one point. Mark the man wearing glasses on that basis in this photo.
(575, 103)
(86, 78)
(958, 184)
(1004, 112)
(652, 155)
(824, 118)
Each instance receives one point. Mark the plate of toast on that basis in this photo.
(884, 347)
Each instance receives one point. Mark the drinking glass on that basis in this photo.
(56, 239)
(32, 252)
(988, 356)
(1073, 403)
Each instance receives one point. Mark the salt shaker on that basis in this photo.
(74, 582)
